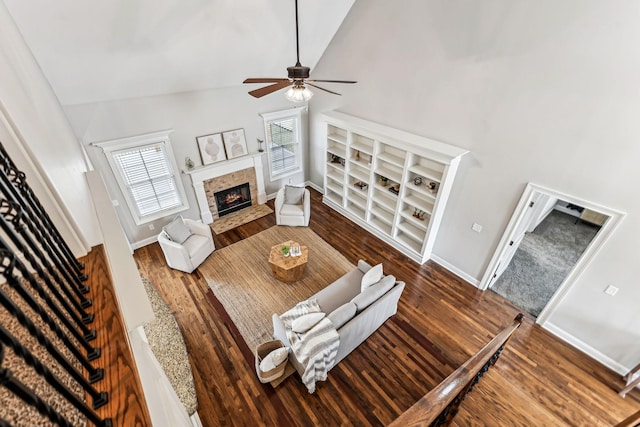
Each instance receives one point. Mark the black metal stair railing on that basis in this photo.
(43, 317)
(16, 189)
(50, 226)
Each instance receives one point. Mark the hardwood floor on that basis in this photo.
(441, 322)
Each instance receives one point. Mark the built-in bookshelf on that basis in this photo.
(392, 183)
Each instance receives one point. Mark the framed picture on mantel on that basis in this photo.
(211, 148)
(234, 143)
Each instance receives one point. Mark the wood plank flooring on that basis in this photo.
(441, 321)
(126, 406)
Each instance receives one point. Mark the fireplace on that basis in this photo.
(233, 199)
(208, 180)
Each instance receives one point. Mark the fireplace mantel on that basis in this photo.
(204, 173)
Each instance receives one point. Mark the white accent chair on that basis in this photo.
(293, 206)
(187, 255)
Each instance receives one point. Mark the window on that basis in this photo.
(145, 170)
(283, 130)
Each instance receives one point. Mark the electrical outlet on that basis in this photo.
(152, 227)
(611, 290)
(290, 180)
(476, 227)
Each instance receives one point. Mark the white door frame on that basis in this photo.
(615, 217)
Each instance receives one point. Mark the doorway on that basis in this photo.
(549, 241)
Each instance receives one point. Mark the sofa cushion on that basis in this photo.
(303, 323)
(367, 297)
(293, 195)
(342, 314)
(340, 291)
(292, 210)
(177, 230)
(370, 277)
(194, 244)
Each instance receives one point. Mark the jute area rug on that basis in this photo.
(241, 279)
(243, 216)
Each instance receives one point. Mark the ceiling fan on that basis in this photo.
(298, 79)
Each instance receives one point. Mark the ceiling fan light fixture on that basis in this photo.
(298, 93)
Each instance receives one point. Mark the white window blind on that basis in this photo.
(283, 130)
(146, 173)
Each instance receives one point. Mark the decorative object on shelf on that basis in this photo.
(211, 148)
(433, 187)
(417, 180)
(360, 185)
(384, 180)
(335, 159)
(189, 163)
(342, 162)
(418, 213)
(260, 142)
(285, 250)
(395, 189)
(357, 156)
(234, 143)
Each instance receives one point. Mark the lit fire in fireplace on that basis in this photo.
(233, 197)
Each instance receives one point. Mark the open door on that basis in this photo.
(534, 206)
(535, 210)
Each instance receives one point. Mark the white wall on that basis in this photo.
(35, 116)
(539, 91)
(190, 114)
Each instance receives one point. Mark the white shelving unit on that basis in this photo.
(392, 183)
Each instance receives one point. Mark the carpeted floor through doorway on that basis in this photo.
(543, 260)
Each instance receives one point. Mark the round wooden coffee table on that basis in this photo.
(288, 269)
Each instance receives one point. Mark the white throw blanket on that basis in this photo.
(317, 348)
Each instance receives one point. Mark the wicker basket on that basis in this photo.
(262, 351)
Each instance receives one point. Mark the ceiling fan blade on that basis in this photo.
(258, 93)
(264, 80)
(333, 81)
(321, 88)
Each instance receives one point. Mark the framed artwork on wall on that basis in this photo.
(211, 148)
(234, 143)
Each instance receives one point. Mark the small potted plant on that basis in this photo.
(384, 180)
(285, 250)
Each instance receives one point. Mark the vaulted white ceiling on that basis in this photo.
(104, 50)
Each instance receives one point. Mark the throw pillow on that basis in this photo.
(293, 195)
(370, 277)
(303, 323)
(273, 359)
(342, 314)
(367, 297)
(177, 230)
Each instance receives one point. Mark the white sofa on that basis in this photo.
(361, 325)
(189, 254)
(293, 206)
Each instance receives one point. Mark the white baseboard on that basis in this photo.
(455, 270)
(585, 348)
(144, 242)
(316, 187)
(195, 420)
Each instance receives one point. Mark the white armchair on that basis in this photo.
(293, 206)
(190, 253)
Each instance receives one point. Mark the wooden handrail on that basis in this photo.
(439, 406)
(632, 420)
